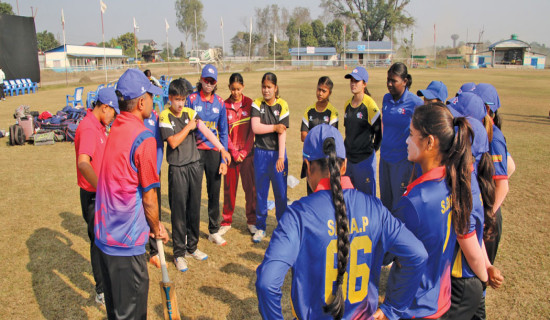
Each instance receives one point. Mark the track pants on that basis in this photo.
(265, 171)
(184, 195)
(230, 184)
(363, 175)
(394, 178)
(466, 295)
(87, 202)
(210, 163)
(126, 286)
(153, 250)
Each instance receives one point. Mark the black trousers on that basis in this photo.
(184, 195)
(492, 246)
(2, 94)
(87, 202)
(126, 286)
(210, 162)
(466, 295)
(153, 250)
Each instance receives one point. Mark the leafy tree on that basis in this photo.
(307, 38)
(6, 8)
(185, 12)
(319, 32)
(240, 43)
(334, 35)
(281, 49)
(180, 51)
(301, 15)
(46, 41)
(126, 41)
(292, 33)
(381, 17)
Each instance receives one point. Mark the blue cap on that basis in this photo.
(313, 144)
(489, 95)
(133, 84)
(359, 73)
(108, 96)
(469, 104)
(467, 87)
(210, 71)
(435, 90)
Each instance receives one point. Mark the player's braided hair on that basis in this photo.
(485, 172)
(336, 306)
(455, 149)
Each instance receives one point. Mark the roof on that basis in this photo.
(509, 43)
(312, 51)
(369, 47)
(87, 51)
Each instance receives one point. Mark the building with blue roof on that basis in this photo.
(512, 53)
(375, 53)
(313, 56)
(82, 58)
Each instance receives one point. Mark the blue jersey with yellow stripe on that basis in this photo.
(425, 208)
(305, 239)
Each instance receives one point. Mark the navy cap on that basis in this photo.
(359, 73)
(489, 95)
(469, 104)
(435, 90)
(133, 84)
(108, 96)
(209, 71)
(467, 87)
(313, 144)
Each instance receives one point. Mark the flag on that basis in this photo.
(103, 6)
(251, 27)
(275, 37)
(221, 23)
(62, 18)
(434, 33)
(135, 25)
(368, 31)
(167, 26)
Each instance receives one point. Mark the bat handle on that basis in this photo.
(163, 267)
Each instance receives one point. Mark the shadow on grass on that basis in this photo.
(159, 311)
(525, 118)
(59, 283)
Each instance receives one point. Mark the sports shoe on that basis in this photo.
(100, 298)
(181, 264)
(252, 228)
(223, 230)
(155, 260)
(217, 239)
(198, 255)
(258, 236)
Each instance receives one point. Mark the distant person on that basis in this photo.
(151, 78)
(89, 144)
(126, 201)
(214, 160)
(270, 120)
(397, 110)
(322, 111)
(363, 133)
(178, 125)
(241, 146)
(435, 92)
(2, 78)
(334, 241)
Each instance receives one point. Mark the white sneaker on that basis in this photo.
(252, 229)
(258, 236)
(181, 264)
(223, 230)
(100, 298)
(217, 239)
(198, 255)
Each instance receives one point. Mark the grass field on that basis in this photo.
(46, 273)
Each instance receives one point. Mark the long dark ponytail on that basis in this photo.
(337, 304)
(485, 172)
(455, 149)
(400, 70)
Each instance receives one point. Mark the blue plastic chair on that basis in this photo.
(15, 87)
(8, 88)
(112, 84)
(32, 85)
(92, 96)
(159, 102)
(76, 98)
(23, 85)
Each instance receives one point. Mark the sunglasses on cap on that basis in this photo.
(209, 81)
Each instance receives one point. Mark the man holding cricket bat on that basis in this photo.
(127, 212)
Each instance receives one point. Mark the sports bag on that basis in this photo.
(17, 136)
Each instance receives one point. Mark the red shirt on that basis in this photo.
(241, 137)
(90, 139)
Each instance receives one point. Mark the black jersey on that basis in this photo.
(363, 129)
(170, 124)
(312, 117)
(275, 114)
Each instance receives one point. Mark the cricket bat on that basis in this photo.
(167, 289)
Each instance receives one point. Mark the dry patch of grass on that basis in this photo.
(46, 271)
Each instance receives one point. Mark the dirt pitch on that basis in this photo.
(46, 271)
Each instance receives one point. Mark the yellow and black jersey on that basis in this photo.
(275, 114)
(363, 129)
(312, 117)
(170, 124)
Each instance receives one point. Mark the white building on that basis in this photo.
(313, 56)
(83, 58)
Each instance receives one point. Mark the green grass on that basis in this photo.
(46, 271)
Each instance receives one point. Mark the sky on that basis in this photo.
(497, 18)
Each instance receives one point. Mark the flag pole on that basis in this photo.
(167, 46)
(435, 52)
(103, 7)
(223, 37)
(64, 47)
(299, 47)
(250, 42)
(135, 39)
(344, 47)
(274, 50)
